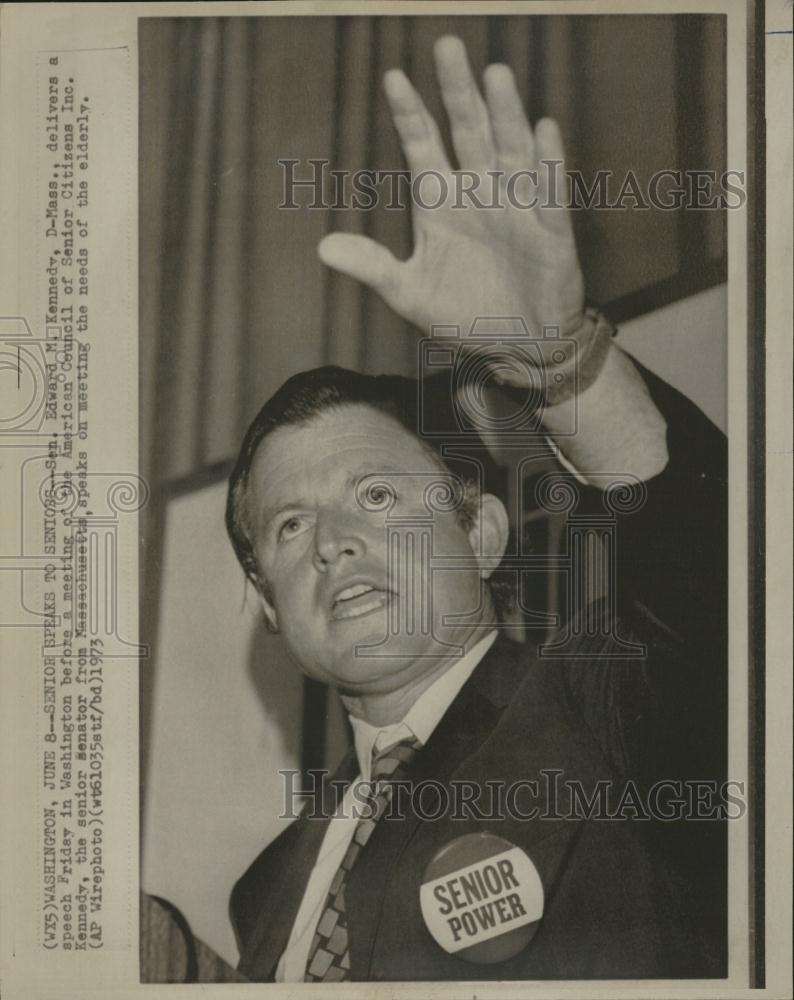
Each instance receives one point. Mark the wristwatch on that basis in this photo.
(577, 359)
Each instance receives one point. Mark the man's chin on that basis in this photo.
(381, 655)
(364, 641)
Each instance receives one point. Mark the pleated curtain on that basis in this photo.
(233, 297)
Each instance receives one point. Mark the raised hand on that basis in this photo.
(471, 261)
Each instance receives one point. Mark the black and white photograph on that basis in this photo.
(434, 355)
(396, 459)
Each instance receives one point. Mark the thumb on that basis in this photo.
(362, 259)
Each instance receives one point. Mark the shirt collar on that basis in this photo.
(425, 713)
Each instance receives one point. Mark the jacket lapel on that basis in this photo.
(526, 701)
(463, 729)
(541, 728)
(275, 885)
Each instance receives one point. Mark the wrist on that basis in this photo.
(617, 424)
(575, 363)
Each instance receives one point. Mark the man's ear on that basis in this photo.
(488, 536)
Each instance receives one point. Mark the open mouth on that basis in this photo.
(357, 600)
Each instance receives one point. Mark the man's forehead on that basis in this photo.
(352, 441)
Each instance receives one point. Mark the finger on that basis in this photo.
(468, 114)
(363, 259)
(550, 154)
(416, 127)
(515, 148)
(548, 140)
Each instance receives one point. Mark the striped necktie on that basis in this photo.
(329, 955)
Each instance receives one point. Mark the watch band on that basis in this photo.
(578, 360)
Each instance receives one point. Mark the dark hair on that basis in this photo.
(310, 393)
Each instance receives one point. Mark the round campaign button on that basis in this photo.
(482, 898)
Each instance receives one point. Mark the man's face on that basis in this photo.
(323, 498)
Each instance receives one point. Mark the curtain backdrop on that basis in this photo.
(232, 296)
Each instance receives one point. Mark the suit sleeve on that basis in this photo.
(663, 715)
(671, 555)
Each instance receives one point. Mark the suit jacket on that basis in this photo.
(624, 898)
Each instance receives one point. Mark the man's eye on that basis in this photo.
(290, 528)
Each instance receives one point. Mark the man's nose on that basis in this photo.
(338, 536)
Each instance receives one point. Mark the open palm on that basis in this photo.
(470, 261)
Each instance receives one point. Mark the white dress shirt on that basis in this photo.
(422, 718)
